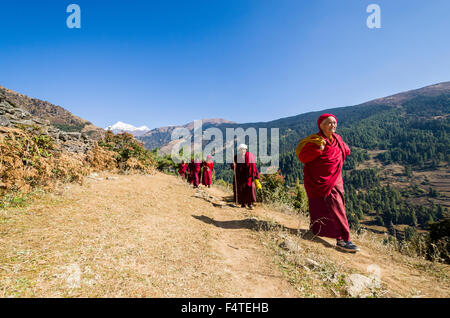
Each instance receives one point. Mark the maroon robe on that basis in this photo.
(325, 188)
(194, 172)
(208, 168)
(182, 169)
(190, 171)
(246, 173)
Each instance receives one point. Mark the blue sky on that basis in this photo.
(168, 62)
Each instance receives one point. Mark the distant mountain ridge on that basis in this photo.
(427, 91)
(124, 127)
(159, 137)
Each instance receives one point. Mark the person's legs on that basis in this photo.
(336, 207)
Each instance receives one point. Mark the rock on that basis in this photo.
(290, 245)
(4, 121)
(95, 176)
(38, 121)
(311, 263)
(19, 122)
(62, 136)
(361, 286)
(15, 117)
(23, 114)
(75, 135)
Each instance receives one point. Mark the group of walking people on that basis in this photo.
(197, 171)
(323, 155)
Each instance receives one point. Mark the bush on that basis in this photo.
(273, 189)
(131, 153)
(31, 159)
(439, 242)
(300, 199)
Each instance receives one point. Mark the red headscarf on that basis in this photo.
(324, 116)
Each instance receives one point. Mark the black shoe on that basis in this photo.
(242, 205)
(347, 246)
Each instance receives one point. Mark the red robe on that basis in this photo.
(190, 171)
(325, 188)
(246, 173)
(194, 172)
(182, 168)
(208, 168)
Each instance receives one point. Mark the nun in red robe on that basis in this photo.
(182, 169)
(323, 156)
(194, 172)
(246, 172)
(190, 171)
(208, 169)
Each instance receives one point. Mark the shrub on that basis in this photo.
(31, 159)
(131, 153)
(300, 199)
(273, 189)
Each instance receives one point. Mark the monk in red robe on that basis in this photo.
(208, 169)
(323, 156)
(182, 169)
(245, 173)
(190, 171)
(194, 172)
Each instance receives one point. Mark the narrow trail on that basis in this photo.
(155, 236)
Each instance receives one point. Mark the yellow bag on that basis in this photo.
(314, 138)
(258, 184)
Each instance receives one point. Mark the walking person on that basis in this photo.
(191, 171)
(323, 156)
(208, 170)
(182, 169)
(195, 168)
(246, 173)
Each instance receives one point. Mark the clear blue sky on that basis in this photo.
(169, 62)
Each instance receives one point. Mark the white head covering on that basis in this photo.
(242, 146)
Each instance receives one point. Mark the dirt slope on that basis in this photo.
(154, 236)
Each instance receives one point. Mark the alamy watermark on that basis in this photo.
(74, 19)
(374, 19)
(186, 145)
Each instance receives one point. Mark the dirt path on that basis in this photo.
(155, 236)
(137, 236)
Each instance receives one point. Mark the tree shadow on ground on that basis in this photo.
(259, 225)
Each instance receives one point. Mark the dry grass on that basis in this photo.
(30, 160)
(317, 269)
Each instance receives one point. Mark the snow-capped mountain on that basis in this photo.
(123, 127)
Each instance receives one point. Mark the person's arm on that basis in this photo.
(347, 149)
(257, 172)
(309, 152)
